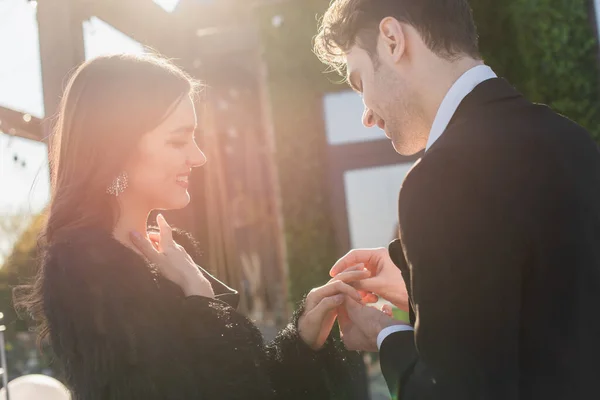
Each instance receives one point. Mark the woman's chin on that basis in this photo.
(178, 202)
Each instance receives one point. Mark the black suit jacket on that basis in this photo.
(500, 250)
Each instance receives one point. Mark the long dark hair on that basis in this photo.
(109, 104)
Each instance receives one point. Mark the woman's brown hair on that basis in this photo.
(109, 103)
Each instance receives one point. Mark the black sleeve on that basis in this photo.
(467, 253)
(120, 337)
(294, 369)
(298, 372)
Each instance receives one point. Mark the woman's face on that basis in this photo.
(158, 173)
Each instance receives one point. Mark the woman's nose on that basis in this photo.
(368, 118)
(197, 158)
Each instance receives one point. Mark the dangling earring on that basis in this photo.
(118, 185)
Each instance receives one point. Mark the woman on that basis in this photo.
(128, 313)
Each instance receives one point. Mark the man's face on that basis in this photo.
(389, 99)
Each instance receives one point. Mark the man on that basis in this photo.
(499, 220)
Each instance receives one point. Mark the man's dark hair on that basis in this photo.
(446, 26)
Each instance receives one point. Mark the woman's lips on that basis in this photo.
(183, 181)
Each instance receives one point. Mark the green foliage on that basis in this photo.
(19, 268)
(548, 50)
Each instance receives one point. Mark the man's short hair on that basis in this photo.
(446, 26)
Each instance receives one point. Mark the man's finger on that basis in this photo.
(369, 285)
(353, 258)
(145, 246)
(357, 267)
(331, 289)
(352, 276)
(166, 233)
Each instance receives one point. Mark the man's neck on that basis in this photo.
(440, 78)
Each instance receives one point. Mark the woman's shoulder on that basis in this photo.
(88, 249)
(81, 242)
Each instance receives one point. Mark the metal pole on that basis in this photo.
(3, 359)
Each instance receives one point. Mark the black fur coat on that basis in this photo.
(123, 332)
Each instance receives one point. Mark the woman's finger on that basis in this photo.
(387, 309)
(320, 312)
(145, 246)
(166, 233)
(155, 239)
(154, 236)
(370, 298)
(331, 289)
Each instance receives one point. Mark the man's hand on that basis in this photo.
(360, 325)
(385, 278)
(321, 306)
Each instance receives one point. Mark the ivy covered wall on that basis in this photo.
(548, 49)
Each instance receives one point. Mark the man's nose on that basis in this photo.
(368, 118)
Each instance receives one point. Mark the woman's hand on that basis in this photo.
(322, 305)
(173, 262)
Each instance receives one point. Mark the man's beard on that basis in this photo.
(406, 129)
(402, 115)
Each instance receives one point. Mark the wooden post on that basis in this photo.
(61, 49)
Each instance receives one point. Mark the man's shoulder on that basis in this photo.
(511, 136)
(502, 151)
(512, 122)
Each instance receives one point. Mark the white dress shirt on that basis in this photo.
(459, 90)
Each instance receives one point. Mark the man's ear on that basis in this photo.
(392, 39)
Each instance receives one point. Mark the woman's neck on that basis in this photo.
(132, 218)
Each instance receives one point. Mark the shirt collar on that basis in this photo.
(461, 88)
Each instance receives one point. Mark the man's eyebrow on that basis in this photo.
(352, 81)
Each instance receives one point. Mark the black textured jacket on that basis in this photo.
(122, 331)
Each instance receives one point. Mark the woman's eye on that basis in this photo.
(178, 145)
